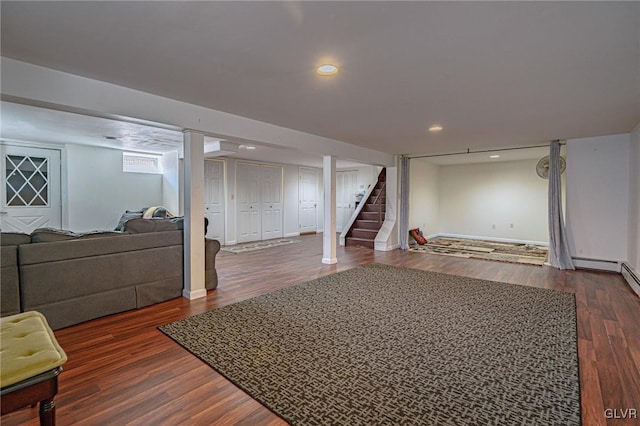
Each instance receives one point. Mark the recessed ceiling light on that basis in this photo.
(249, 147)
(327, 69)
(494, 156)
(435, 128)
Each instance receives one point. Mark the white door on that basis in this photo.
(346, 182)
(214, 198)
(31, 189)
(308, 196)
(248, 193)
(271, 197)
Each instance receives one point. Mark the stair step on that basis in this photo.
(351, 241)
(370, 207)
(366, 224)
(369, 215)
(369, 234)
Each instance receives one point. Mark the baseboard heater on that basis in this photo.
(631, 277)
(597, 264)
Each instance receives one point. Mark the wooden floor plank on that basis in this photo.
(122, 370)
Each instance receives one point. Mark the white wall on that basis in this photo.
(170, 182)
(367, 175)
(597, 197)
(475, 197)
(424, 196)
(633, 243)
(99, 191)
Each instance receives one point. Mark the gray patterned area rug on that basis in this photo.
(383, 345)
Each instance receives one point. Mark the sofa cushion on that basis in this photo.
(48, 235)
(10, 287)
(140, 226)
(14, 238)
(72, 311)
(85, 247)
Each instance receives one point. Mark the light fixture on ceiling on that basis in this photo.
(247, 147)
(436, 128)
(327, 69)
(111, 138)
(494, 156)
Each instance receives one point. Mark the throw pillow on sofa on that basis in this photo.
(157, 211)
(128, 215)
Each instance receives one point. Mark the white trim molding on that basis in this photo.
(632, 277)
(597, 264)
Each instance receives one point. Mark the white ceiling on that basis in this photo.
(494, 74)
(485, 157)
(25, 123)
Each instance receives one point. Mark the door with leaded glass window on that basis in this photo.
(30, 189)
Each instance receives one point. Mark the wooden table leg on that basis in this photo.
(48, 412)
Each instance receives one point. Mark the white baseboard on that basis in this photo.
(196, 294)
(292, 234)
(383, 247)
(329, 261)
(477, 237)
(231, 243)
(597, 264)
(632, 276)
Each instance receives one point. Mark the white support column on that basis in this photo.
(193, 215)
(329, 233)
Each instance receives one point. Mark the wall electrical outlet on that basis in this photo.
(493, 226)
(511, 225)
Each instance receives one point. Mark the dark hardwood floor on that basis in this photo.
(122, 370)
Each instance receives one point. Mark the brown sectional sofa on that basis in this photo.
(73, 278)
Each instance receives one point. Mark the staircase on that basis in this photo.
(369, 221)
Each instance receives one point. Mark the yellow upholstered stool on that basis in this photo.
(30, 362)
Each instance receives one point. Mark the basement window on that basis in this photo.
(133, 162)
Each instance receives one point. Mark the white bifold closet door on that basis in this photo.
(259, 192)
(214, 198)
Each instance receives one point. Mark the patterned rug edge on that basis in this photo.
(238, 385)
